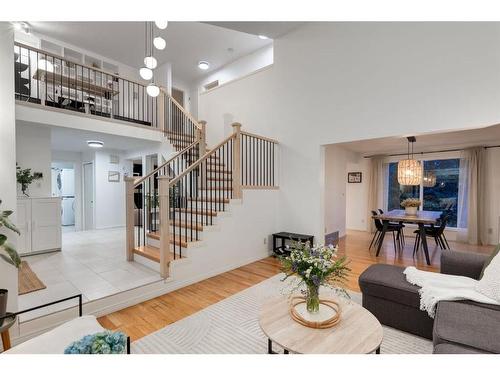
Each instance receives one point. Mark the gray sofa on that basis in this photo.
(460, 327)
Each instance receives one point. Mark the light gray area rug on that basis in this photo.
(231, 326)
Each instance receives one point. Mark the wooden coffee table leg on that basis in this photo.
(270, 347)
(378, 350)
(6, 340)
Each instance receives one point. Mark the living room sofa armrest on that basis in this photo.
(462, 264)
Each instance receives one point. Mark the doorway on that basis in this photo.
(178, 95)
(64, 186)
(88, 196)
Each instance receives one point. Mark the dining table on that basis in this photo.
(421, 219)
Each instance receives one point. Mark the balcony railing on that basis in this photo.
(51, 80)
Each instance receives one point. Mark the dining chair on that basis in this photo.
(401, 232)
(436, 232)
(379, 228)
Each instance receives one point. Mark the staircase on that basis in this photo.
(187, 195)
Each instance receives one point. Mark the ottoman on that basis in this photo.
(394, 301)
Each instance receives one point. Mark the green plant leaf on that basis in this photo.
(14, 256)
(7, 259)
(3, 238)
(7, 213)
(8, 224)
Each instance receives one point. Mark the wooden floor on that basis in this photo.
(142, 319)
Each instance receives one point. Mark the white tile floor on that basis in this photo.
(92, 263)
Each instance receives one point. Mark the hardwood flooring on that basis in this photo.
(142, 319)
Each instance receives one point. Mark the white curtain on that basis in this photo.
(472, 219)
(375, 189)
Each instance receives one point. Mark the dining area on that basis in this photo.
(427, 225)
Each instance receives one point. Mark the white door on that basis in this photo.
(46, 224)
(88, 195)
(24, 226)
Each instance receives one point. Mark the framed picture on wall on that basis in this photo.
(354, 177)
(113, 176)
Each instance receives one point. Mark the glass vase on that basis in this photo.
(312, 298)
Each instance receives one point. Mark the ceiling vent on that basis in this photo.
(211, 85)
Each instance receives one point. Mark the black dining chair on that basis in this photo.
(401, 232)
(393, 228)
(437, 232)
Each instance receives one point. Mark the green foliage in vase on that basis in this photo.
(25, 178)
(12, 256)
(411, 202)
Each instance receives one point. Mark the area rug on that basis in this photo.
(28, 280)
(231, 326)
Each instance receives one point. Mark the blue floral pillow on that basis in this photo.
(106, 342)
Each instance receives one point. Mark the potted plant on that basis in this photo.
(315, 266)
(25, 178)
(411, 206)
(8, 254)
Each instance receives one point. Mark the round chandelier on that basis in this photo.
(410, 170)
(429, 179)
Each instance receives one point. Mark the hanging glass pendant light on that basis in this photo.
(146, 73)
(162, 25)
(429, 179)
(153, 90)
(159, 43)
(410, 170)
(150, 62)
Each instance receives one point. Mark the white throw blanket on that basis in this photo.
(435, 287)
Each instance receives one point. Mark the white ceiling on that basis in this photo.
(272, 30)
(487, 136)
(66, 139)
(187, 43)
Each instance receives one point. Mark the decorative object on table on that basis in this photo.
(411, 206)
(315, 266)
(106, 342)
(12, 256)
(410, 170)
(28, 281)
(25, 178)
(113, 176)
(354, 177)
(282, 237)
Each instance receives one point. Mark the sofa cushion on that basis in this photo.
(388, 282)
(467, 324)
(488, 261)
(455, 349)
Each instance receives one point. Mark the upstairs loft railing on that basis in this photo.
(189, 200)
(50, 80)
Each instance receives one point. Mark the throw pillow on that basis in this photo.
(489, 285)
(490, 258)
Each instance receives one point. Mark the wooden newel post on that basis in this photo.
(129, 216)
(237, 161)
(164, 200)
(202, 138)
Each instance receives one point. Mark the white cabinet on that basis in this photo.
(39, 221)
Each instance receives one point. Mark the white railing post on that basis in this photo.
(164, 201)
(160, 108)
(201, 137)
(237, 161)
(129, 216)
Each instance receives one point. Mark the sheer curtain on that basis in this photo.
(471, 223)
(375, 189)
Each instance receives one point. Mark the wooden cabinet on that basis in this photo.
(39, 221)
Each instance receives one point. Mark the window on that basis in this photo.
(442, 196)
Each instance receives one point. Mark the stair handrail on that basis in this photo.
(188, 115)
(201, 159)
(153, 172)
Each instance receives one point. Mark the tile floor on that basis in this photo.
(91, 263)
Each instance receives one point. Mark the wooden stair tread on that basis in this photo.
(197, 212)
(179, 240)
(152, 253)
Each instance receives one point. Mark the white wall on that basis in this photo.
(338, 82)
(33, 150)
(109, 196)
(8, 274)
(357, 194)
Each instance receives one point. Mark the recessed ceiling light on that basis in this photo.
(95, 144)
(161, 24)
(159, 43)
(263, 37)
(203, 65)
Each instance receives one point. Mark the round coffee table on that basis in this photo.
(358, 332)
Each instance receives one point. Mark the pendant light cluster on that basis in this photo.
(410, 170)
(150, 62)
